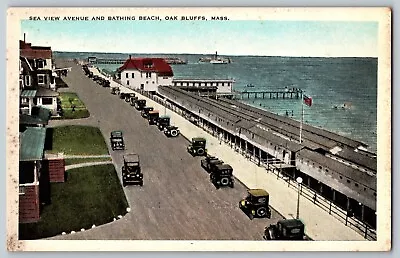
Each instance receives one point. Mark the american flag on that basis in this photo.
(307, 100)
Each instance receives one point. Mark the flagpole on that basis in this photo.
(302, 114)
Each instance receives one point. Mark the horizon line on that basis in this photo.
(210, 54)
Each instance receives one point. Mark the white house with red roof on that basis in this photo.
(145, 73)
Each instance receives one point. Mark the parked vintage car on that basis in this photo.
(140, 104)
(256, 204)
(171, 131)
(117, 140)
(162, 122)
(222, 175)
(287, 229)
(197, 147)
(115, 90)
(145, 111)
(209, 163)
(131, 171)
(152, 117)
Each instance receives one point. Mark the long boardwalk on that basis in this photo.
(177, 200)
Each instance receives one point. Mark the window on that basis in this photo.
(127, 82)
(133, 75)
(340, 177)
(348, 181)
(148, 75)
(41, 78)
(40, 63)
(47, 101)
(127, 75)
(27, 80)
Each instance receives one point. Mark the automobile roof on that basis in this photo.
(258, 192)
(291, 223)
(116, 133)
(131, 157)
(197, 139)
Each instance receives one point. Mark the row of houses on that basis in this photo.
(37, 104)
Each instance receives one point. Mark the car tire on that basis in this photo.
(200, 151)
(270, 234)
(224, 181)
(174, 133)
(261, 212)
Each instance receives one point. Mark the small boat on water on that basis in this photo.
(215, 59)
(250, 85)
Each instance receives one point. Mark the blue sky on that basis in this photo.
(236, 37)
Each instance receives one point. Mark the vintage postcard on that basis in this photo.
(201, 129)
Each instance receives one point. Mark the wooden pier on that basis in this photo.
(95, 60)
(296, 94)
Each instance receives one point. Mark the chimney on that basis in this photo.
(130, 57)
(24, 37)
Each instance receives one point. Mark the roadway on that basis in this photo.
(177, 200)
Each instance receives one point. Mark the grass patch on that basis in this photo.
(76, 114)
(91, 195)
(78, 161)
(72, 106)
(68, 99)
(77, 140)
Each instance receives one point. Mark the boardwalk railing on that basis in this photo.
(286, 94)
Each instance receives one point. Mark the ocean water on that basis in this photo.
(329, 81)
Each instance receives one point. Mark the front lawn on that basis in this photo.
(76, 140)
(91, 195)
(72, 106)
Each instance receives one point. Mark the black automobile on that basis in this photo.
(117, 140)
(171, 131)
(197, 147)
(222, 175)
(131, 171)
(209, 163)
(133, 100)
(145, 111)
(140, 104)
(256, 204)
(287, 229)
(162, 122)
(152, 117)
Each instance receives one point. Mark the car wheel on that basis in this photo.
(225, 181)
(270, 234)
(261, 212)
(200, 151)
(174, 133)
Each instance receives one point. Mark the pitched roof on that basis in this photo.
(158, 65)
(34, 52)
(43, 92)
(32, 144)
